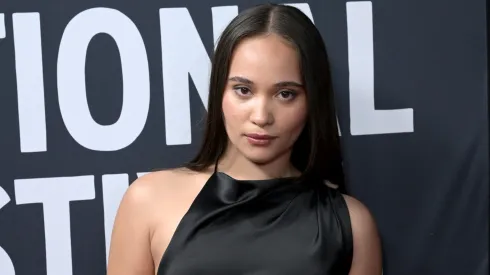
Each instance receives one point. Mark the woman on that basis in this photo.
(261, 196)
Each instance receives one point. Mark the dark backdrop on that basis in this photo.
(93, 93)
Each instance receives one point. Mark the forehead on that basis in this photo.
(266, 59)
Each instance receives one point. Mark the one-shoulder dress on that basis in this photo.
(262, 227)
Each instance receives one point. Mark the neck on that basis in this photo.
(237, 166)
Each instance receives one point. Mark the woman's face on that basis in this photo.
(264, 102)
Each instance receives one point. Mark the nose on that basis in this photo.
(262, 114)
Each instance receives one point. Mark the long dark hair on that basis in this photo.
(317, 152)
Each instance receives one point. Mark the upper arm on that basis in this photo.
(130, 252)
(367, 259)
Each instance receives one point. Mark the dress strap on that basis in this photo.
(216, 165)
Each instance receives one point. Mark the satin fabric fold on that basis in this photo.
(262, 227)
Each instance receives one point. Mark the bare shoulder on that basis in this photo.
(164, 179)
(360, 214)
(367, 258)
(147, 216)
(145, 196)
(164, 190)
(148, 189)
(165, 183)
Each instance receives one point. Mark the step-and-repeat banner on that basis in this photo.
(93, 94)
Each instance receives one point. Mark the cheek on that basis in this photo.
(232, 114)
(292, 122)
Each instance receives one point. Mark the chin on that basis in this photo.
(259, 160)
(263, 157)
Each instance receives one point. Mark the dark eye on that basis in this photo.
(242, 90)
(287, 95)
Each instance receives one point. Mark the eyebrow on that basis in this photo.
(278, 84)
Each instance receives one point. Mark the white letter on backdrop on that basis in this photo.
(71, 80)
(113, 189)
(55, 194)
(304, 7)
(184, 55)
(365, 119)
(222, 16)
(30, 83)
(6, 265)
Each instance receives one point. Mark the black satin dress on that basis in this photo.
(262, 227)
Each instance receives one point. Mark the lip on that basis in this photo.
(259, 139)
(260, 136)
